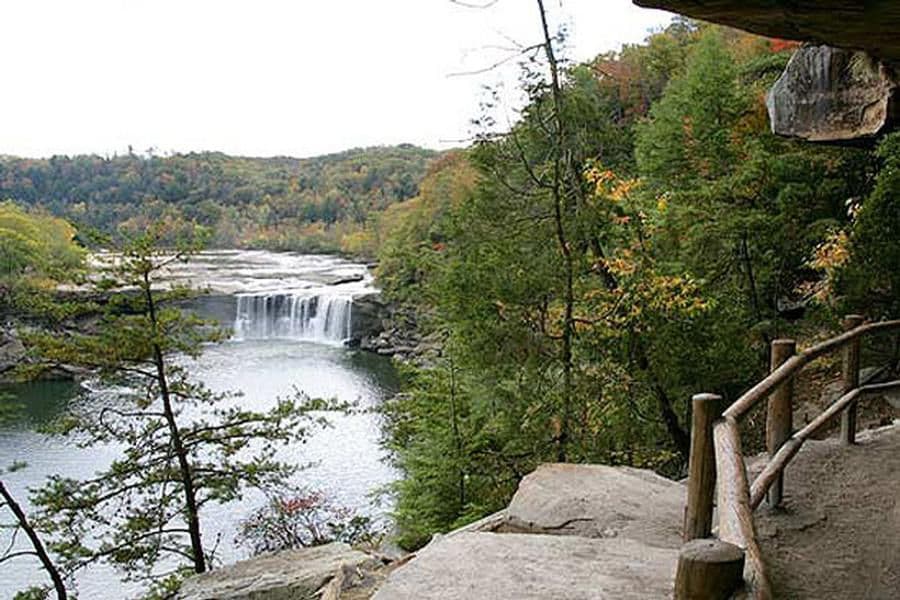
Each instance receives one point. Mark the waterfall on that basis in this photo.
(322, 318)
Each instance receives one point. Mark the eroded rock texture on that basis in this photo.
(488, 566)
(597, 501)
(305, 574)
(832, 95)
(579, 532)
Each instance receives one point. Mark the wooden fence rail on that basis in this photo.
(783, 456)
(717, 468)
(793, 365)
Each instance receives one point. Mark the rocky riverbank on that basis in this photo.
(376, 326)
(12, 351)
(391, 330)
(14, 354)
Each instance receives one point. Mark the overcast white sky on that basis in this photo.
(265, 77)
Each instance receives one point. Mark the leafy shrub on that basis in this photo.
(305, 520)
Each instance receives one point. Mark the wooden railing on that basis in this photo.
(710, 567)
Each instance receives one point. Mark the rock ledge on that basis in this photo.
(290, 575)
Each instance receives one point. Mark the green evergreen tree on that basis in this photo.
(871, 281)
(689, 134)
(182, 446)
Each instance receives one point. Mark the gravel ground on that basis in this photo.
(838, 532)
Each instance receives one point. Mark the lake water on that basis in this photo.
(347, 460)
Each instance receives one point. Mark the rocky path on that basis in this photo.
(838, 533)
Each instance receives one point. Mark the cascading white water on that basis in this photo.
(322, 318)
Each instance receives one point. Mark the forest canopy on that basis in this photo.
(36, 244)
(313, 204)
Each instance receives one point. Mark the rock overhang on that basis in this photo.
(871, 26)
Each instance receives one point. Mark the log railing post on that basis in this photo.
(850, 379)
(701, 467)
(709, 570)
(779, 416)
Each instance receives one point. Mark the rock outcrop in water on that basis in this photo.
(395, 331)
(370, 313)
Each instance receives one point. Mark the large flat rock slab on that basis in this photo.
(509, 566)
(289, 575)
(597, 501)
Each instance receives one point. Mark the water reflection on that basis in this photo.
(36, 403)
(347, 458)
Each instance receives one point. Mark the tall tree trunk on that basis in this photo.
(752, 292)
(559, 208)
(454, 419)
(36, 543)
(680, 437)
(184, 467)
(895, 358)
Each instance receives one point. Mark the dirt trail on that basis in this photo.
(838, 534)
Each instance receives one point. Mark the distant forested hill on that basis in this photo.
(320, 203)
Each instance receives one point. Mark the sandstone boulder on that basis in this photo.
(597, 501)
(832, 95)
(305, 574)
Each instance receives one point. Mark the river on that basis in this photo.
(289, 319)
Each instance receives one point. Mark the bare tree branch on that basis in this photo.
(487, 4)
(499, 63)
(13, 555)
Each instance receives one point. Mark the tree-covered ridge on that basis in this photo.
(282, 202)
